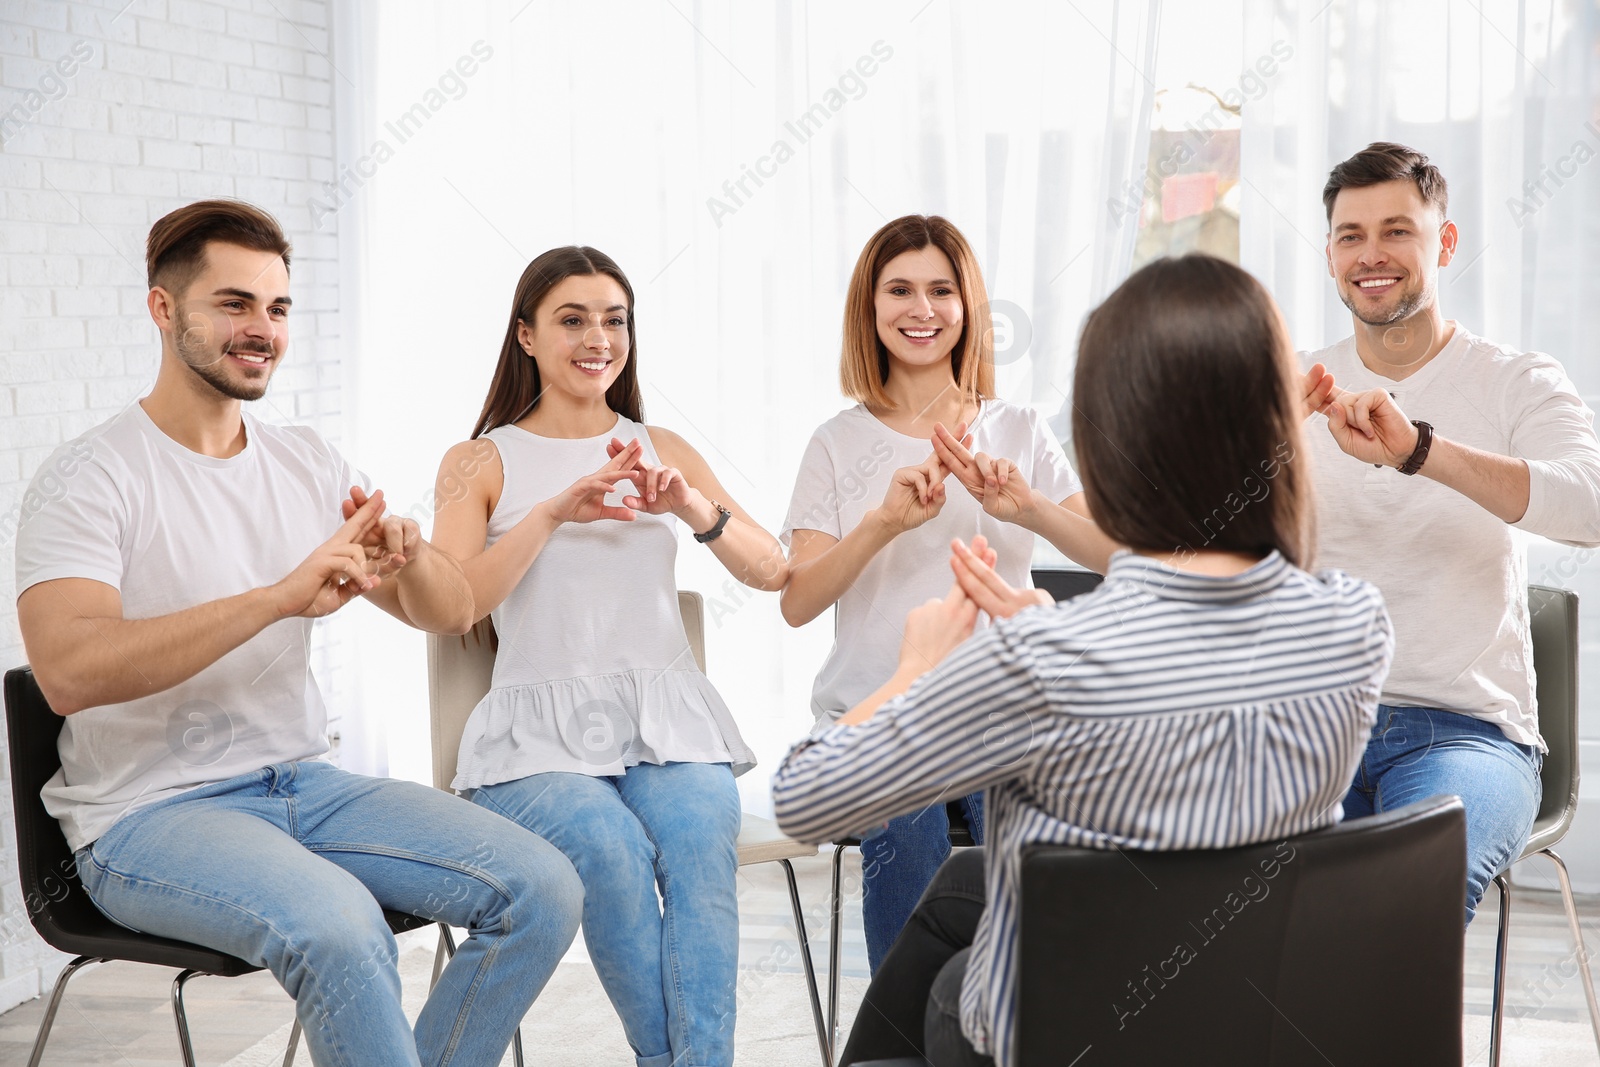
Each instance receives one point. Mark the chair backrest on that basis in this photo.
(460, 670)
(56, 901)
(1064, 583)
(1554, 622)
(1263, 954)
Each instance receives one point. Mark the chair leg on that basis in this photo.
(55, 1002)
(1497, 1013)
(294, 1044)
(181, 1017)
(835, 928)
(823, 1041)
(447, 949)
(1577, 938)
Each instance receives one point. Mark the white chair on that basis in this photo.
(459, 673)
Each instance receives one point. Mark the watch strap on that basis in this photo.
(716, 531)
(1419, 455)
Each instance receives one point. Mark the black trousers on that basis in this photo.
(913, 1006)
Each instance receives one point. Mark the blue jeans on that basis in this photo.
(897, 863)
(290, 868)
(1416, 753)
(669, 965)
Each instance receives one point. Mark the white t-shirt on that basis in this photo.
(1451, 573)
(170, 528)
(844, 474)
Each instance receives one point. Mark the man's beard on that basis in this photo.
(1407, 307)
(211, 367)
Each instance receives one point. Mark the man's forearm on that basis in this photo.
(91, 660)
(1498, 484)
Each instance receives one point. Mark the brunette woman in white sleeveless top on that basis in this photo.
(600, 733)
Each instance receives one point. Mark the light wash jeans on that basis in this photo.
(670, 966)
(898, 861)
(290, 868)
(1416, 753)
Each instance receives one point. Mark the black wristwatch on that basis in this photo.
(1419, 455)
(715, 531)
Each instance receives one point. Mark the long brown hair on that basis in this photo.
(1187, 415)
(516, 387)
(864, 361)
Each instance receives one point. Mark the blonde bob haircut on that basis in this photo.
(863, 360)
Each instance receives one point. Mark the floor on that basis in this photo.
(119, 1014)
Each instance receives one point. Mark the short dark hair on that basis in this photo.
(175, 251)
(1186, 415)
(1385, 161)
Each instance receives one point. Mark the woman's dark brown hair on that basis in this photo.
(515, 389)
(864, 362)
(1187, 415)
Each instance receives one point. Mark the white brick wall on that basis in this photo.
(177, 100)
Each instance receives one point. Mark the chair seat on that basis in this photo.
(1547, 831)
(760, 841)
(91, 934)
(112, 942)
(399, 922)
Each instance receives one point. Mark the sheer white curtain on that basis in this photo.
(733, 158)
(1504, 96)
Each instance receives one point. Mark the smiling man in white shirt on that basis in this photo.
(1437, 444)
(169, 582)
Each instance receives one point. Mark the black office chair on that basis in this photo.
(58, 905)
(1257, 955)
(1064, 583)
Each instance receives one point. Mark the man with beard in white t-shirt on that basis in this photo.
(1438, 444)
(168, 579)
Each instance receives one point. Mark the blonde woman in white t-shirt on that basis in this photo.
(870, 522)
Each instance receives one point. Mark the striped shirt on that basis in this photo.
(1163, 710)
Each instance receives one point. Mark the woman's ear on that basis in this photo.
(525, 336)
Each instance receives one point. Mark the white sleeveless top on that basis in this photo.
(594, 673)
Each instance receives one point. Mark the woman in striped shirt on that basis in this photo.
(1210, 693)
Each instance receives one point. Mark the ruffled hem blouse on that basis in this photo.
(599, 724)
(593, 673)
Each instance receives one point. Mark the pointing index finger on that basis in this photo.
(362, 520)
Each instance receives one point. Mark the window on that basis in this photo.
(1189, 200)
